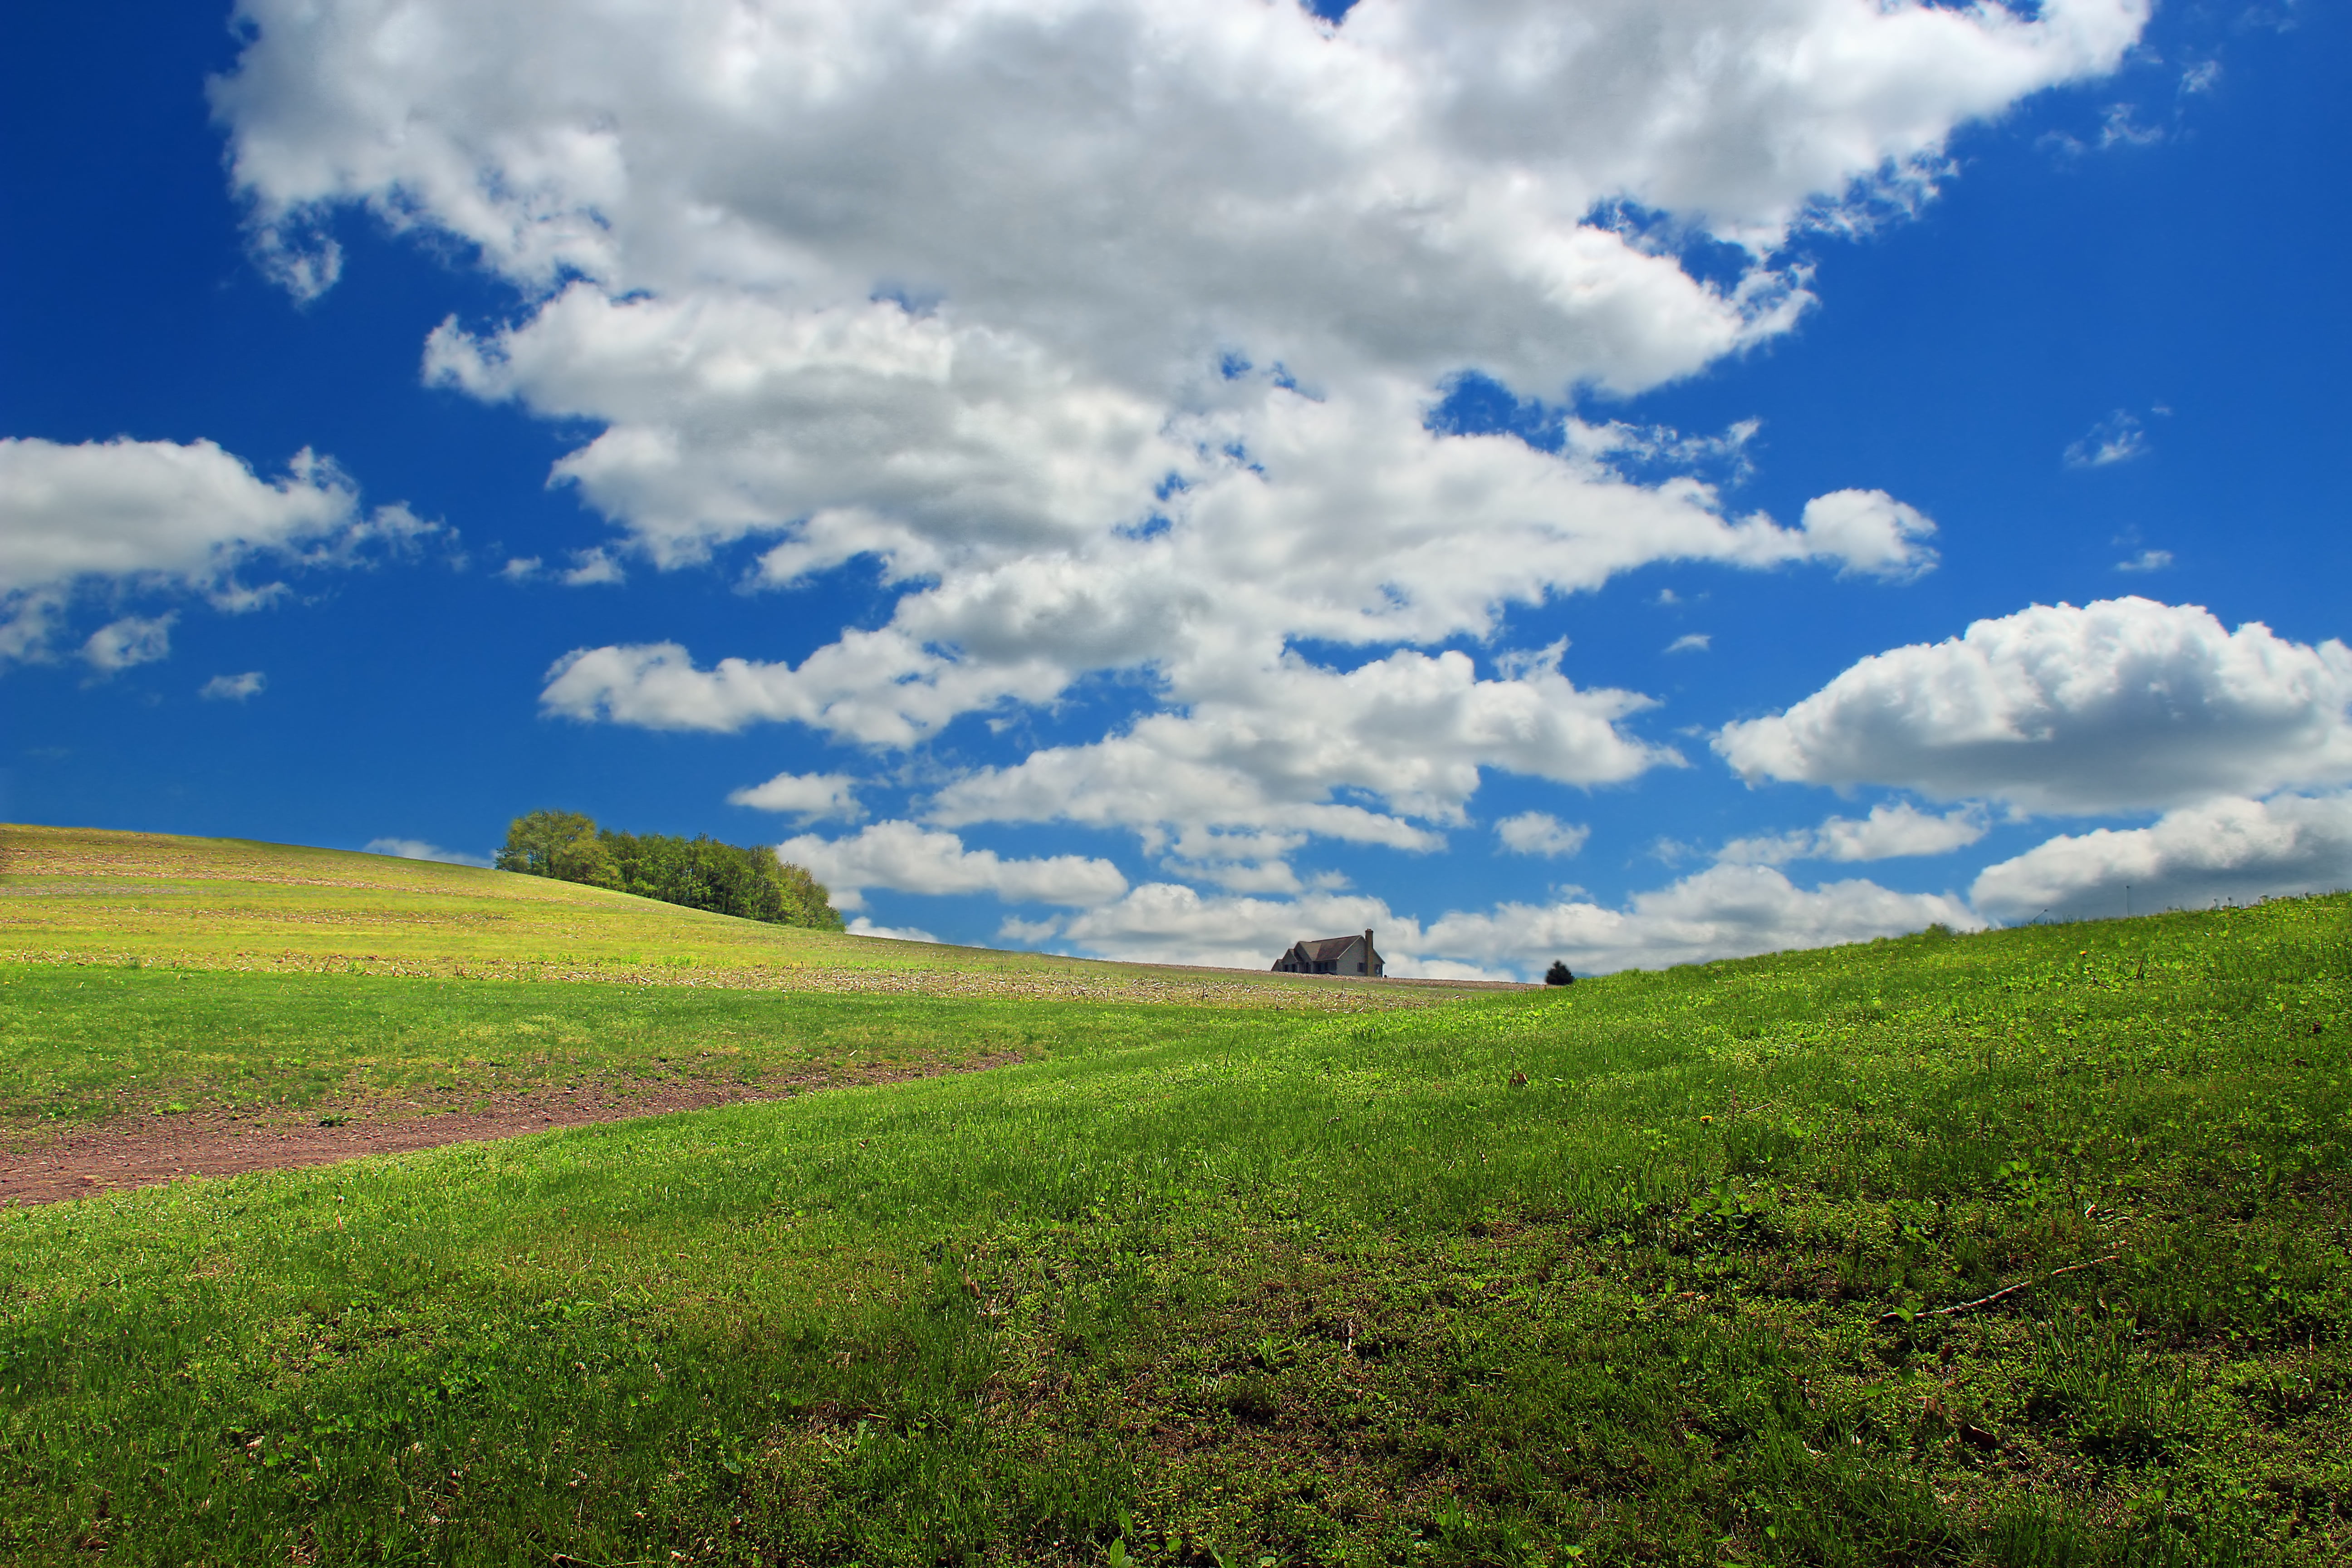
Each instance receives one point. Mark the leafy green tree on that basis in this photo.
(700, 873)
(808, 900)
(564, 845)
(1557, 974)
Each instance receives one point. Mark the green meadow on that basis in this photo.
(2028, 1247)
(84, 896)
(81, 1044)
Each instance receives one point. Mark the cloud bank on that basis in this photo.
(1108, 335)
(906, 858)
(2123, 705)
(2231, 851)
(1889, 832)
(1108, 331)
(1722, 912)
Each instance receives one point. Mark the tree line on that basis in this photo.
(700, 873)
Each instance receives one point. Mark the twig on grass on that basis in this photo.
(2001, 1294)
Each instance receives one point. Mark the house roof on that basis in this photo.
(1328, 947)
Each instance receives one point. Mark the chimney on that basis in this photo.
(1368, 953)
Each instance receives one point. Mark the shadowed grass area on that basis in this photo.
(1650, 1270)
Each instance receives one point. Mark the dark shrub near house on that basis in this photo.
(1557, 974)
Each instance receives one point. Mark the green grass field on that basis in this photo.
(81, 896)
(147, 975)
(1651, 1270)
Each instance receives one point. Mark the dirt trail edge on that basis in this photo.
(44, 1166)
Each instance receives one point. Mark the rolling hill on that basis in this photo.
(2028, 1247)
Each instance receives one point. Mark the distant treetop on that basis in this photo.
(700, 873)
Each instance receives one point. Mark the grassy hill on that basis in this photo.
(2023, 1248)
(149, 973)
(84, 895)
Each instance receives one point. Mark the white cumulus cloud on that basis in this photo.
(861, 926)
(906, 858)
(810, 797)
(2227, 850)
(974, 291)
(1029, 932)
(1410, 188)
(1390, 534)
(1167, 922)
(418, 849)
(1411, 729)
(1540, 833)
(862, 428)
(125, 516)
(1724, 911)
(134, 639)
(1871, 532)
(1889, 832)
(2121, 705)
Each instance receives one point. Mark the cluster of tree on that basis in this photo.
(700, 872)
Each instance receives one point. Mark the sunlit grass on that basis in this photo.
(1303, 1288)
(77, 895)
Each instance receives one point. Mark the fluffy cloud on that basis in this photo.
(1410, 729)
(127, 509)
(855, 429)
(945, 451)
(2226, 850)
(1329, 525)
(1029, 932)
(1408, 189)
(974, 291)
(1540, 833)
(810, 797)
(1870, 533)
(1724, 911)
(1166, 922)
(132, 515)
(2121, 705)
(1889, 832)
(418, 849)
(236, 689)
(861, 926)
(134, 639)
(906, 858)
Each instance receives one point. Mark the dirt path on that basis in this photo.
(41, 1167)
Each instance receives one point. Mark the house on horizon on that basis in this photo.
(1333, 955)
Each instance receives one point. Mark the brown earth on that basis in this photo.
(124, 1152)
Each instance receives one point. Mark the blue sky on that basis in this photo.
(1622, 482)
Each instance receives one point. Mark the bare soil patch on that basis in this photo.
(46, 1165)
